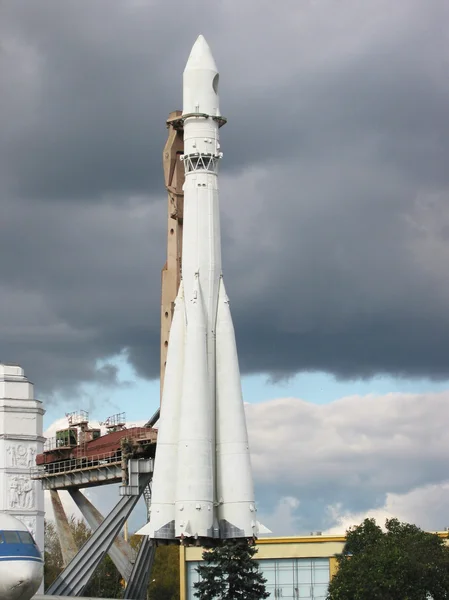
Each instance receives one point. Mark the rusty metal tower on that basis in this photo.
(134, 475)
(171, 273)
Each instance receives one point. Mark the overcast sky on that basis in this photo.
(334, 199)
(334, 182)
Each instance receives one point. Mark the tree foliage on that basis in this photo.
(228, 572)
(164, 580)
(52, 556)
(401, 563)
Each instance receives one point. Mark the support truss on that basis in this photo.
(77, 574)
(138, 582)
(121, 553)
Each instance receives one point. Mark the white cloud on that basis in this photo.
(386, 454)
(425, 506)
(283, 520)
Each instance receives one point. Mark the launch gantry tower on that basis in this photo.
(171, 273)
(134, 474)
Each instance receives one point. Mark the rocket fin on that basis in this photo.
(195, 478)
(162, 510)
(263, 529)
(235, 490)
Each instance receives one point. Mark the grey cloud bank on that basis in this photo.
(334, 192)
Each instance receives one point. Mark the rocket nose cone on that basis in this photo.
(201, 56)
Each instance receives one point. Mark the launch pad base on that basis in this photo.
(201, 542)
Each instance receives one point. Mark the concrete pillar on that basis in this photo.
(333, 567)
(21, 440)
(65, 535)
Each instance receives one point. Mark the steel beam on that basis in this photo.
(79, 571)
(154, 419)
(121, 553)
(138, 583)
(65, 535)
(38, 597)
(92, 477)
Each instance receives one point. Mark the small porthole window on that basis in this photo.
(215, 83)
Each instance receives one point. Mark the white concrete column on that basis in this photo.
(21, 439)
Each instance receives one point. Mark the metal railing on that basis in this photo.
(72, 465)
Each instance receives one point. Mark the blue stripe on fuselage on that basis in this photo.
(21, 558)
(24, 550)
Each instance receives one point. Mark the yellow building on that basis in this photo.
(296, 568)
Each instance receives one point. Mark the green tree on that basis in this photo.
(106, 581)
(164, 578)
(52, 556)
(401, 563)
(228, 572)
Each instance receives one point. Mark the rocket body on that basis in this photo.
(202, 485)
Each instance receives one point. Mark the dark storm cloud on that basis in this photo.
(334, 188)
(75, 286)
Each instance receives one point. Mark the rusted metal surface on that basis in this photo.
(75, 464)
(107, 445)
(171, 273)
(66, 539)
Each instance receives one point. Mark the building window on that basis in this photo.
(289, 579)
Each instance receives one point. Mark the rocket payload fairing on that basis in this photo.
(202, 485)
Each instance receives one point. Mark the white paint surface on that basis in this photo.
(21, 440)
(202, 400)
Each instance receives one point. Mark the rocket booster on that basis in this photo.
(202, 484)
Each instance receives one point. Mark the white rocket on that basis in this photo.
(202, 485)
